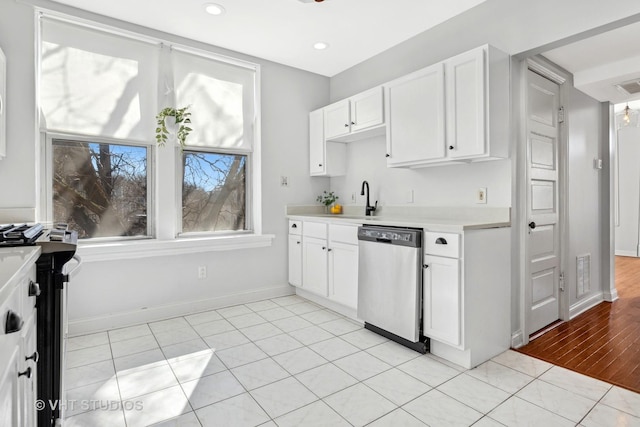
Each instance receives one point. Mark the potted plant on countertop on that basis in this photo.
(182, 121)
(328, 199)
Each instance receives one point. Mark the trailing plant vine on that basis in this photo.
(182, 118)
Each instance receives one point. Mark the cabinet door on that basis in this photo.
(343, 274)
(415, 117)
(367, 109)
(465, 76)
(317, 165)
(9, 393)
(314, 265)
(336, 119)
(442, 299)
(27, 383)
(295, 260)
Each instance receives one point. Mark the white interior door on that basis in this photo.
(543, 236)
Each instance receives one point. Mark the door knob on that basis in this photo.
(35, 357)
(532, 225)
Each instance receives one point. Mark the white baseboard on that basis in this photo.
(331, 305)
(151, 314)
(610, 295)
(517, 339)
(626, 253)
(585, 304)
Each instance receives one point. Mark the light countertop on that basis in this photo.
(12, 261)
(455, 219)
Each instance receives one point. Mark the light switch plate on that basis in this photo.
(481, 195)
(409, 196)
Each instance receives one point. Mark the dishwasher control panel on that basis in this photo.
(396, 236)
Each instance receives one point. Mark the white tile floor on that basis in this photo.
(289, 362)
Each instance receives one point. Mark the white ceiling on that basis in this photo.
(284, 31)
(598, 63)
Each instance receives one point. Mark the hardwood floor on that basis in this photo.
(603, 342)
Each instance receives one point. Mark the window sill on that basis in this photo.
(91, 252)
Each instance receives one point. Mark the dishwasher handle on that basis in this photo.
(381, 240)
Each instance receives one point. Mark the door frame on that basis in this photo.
(546, 69)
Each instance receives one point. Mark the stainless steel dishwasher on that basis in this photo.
(390, 283)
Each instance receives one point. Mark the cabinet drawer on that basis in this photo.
(315, 229)
(343, 233)
(295, 227)
(442, 244)
(29, 290)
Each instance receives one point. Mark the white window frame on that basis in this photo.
(248, 189)
(47, 156)
(165, 239)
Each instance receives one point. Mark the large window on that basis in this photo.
(100, 189)
(99, 92)
(214, 192)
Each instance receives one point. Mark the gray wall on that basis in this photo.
(18, 169)
(584, 220)
(513, 26)
(628, 153)
(102, 289)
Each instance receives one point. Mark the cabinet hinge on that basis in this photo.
(561, 115)
(561, 281)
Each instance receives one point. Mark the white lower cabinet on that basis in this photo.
(314, 265)
(343, 274)
(441, 293)
(295, 260)
(328, 260)
(27, 383)
(18, 334)
(467, 294)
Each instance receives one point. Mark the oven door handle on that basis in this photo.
(75, 269)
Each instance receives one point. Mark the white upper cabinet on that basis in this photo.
(453, 111)
(366, 109)
(416, 117)
(355, 118)
(326, 158)
(465, 89)
(337, 119)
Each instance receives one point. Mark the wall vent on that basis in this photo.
(629, 87)
(583, 274)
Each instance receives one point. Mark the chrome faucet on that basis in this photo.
(368, 210)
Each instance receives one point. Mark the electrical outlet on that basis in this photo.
(481, 195)
(284, 181)
(202, 272)
(353, 197)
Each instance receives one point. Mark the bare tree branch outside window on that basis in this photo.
(213, 192)
(100, 189)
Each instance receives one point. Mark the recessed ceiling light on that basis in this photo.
(320, 46)
(214, 9)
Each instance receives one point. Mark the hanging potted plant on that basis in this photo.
(182, 121)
